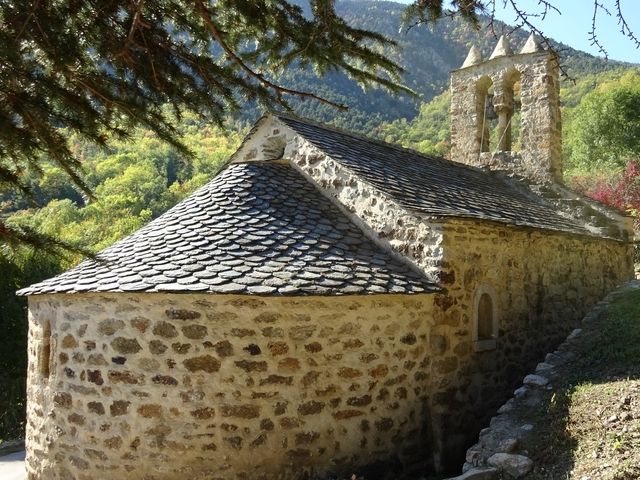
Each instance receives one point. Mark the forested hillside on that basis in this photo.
(427, 54)
(429, 131)
(137, 179)
(134, 181)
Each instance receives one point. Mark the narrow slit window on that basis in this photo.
(485, 317)
(45, 352)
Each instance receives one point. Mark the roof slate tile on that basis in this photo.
(258, 229)
(431, 185)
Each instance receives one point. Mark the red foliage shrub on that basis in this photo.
(621, 191)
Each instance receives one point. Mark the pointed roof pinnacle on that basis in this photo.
(473, 57)
(531, 45)
(502, 48)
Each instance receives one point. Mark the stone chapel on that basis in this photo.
(328, 303)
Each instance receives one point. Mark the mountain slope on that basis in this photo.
(427, 54)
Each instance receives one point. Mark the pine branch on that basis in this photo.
(14, 235)
(624, 27)
(524, 21)
(206, 17)
(593, 36)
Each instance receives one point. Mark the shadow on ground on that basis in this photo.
(590, 426)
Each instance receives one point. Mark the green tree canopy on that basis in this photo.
(95, 69)
(98, 68)
(604, 129)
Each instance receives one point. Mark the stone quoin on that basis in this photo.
(328, 304)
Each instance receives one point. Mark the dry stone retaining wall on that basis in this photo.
(501, 450)
(161, 386)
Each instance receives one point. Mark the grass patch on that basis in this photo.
(619, 347)
(591, 426)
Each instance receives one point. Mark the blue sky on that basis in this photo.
(572, 26)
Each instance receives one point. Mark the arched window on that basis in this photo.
(485, 324)
(507, 107)
(486, 117)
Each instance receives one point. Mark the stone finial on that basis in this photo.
(473, 57)
(531, 45)
(502, 48)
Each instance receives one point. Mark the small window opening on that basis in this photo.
(45, 352)
(485, 317)
(485, 322)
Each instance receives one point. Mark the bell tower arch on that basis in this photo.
(536, 72)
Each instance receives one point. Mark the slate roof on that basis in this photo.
(432, 185)
(254, 229)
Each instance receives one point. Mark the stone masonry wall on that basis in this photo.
(543, 282)
(162, 386)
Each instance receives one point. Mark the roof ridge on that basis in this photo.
(361, 136)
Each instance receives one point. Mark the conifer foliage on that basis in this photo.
(97, 68)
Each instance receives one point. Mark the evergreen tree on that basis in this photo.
(98, 68)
